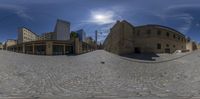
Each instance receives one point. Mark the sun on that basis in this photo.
(100, 18)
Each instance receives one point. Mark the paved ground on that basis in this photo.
(98, 75)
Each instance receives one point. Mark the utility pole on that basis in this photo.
(96, 34)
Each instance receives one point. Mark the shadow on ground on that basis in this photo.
(143, 56)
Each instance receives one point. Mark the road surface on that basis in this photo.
(98, 75)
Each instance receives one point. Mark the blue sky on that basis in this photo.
(40, 15)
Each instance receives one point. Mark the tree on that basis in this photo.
(73, 35)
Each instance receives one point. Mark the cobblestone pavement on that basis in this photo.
(98, 75)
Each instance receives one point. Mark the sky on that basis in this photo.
(40, 15)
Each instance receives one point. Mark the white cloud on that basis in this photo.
(197, 24)
(176, 14)
(182, 6)
(186, 19)
(18, 10)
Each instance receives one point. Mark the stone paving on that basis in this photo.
(98, 75)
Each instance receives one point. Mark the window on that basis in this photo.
(158, 46)
(148, 32)
(174, 36)
(167, 45)
(182, 39)
(167, 34)
(158, 32)
(138, 33)
(178, 38)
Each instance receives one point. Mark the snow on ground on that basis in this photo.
(98, 74)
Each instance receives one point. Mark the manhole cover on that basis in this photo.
(102, 62)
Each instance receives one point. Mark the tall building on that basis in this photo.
(62, 30)
(81, 35)
(48, 36)
(89, 40)
(125, 38)
(26, 35)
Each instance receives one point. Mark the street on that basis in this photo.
(99, 74)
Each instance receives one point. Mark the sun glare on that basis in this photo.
(100, 18)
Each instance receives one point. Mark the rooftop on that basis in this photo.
(160, 26)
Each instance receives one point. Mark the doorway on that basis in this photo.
(167, 50)
(137, 50)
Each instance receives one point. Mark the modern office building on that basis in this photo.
(49, 36)
(81, 35)
(52, 47)
(125, 38)
(50, 43)
(62, 30)
(26, 35)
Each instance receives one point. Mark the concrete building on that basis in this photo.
(1, 46)
(48, 36)
(198, 46)
(191, 46)
(50, 43)
(9, 43)
(26, 35)
(89, 40)
(125, 38)
(81, 35)
(52, 47)
(62, 30)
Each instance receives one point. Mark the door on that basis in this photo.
(137, 50)
(167, 50)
